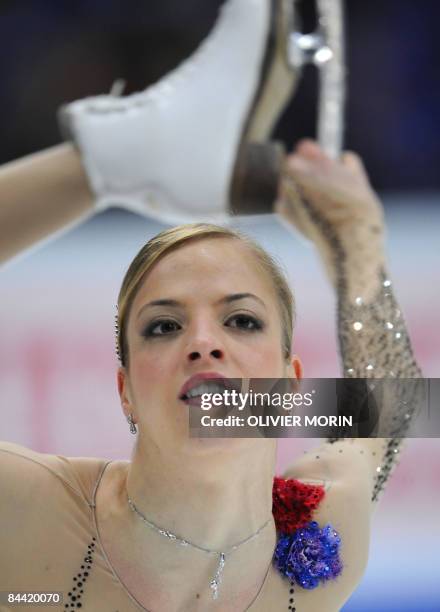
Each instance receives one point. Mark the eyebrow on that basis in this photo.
(228, 299)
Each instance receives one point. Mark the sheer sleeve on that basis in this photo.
(374, 343)
(373, 338)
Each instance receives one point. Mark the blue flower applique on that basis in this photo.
(310, 555)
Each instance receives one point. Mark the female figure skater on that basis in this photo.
(202, 524)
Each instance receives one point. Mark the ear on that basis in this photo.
(124, 392)
(295, 368)
(295, 372)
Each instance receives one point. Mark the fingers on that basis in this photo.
(308, 156)
(298, 163)
(310, 149)
(354, 163)
(308, 163)
(314, 171)
(351, 159)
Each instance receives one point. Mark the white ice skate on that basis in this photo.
(186, 149)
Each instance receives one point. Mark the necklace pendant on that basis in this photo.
(215, 582)
(214, 587)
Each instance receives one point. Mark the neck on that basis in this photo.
(215, 500)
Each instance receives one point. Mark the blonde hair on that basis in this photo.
(173, 238)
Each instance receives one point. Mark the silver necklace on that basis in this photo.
(215, 582)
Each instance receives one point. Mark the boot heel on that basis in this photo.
(254, 186)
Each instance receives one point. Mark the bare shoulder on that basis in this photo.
(345, 473)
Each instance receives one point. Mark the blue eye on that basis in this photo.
(167, 326)
(246, 323)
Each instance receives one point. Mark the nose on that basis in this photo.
(200, 354)
(205, 345)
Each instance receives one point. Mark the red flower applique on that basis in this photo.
(294, 503)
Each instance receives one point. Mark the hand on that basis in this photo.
(333, 204)
(338, 191)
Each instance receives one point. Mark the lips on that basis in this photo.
(203, 377)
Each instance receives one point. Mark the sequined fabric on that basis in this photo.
(373, 338)
(374, 343)
(305, 553)
(310, 555)
(294, 503)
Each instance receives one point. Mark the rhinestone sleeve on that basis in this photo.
(373, 339)
(374, 343)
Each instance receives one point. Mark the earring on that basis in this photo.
(133, 428)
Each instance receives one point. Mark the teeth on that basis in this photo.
(205, 388)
